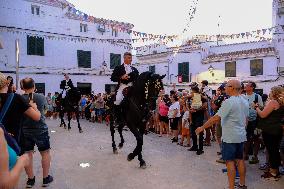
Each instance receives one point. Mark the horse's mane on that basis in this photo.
(139, 84)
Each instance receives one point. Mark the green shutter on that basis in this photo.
(84, 59)
(256, 67)
(35, 45)
(185, 77)
(152, 69)
(31, 45)
(183, 70)
(40, 46)
(115, 60)
(180, 69)
(230, 69)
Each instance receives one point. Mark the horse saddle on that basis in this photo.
(126, 91)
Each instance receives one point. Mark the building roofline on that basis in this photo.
(64, 3)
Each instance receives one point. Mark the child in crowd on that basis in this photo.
(196, 97)
(186, 122)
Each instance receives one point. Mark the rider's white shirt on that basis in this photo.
(119, 95)
(127, 68)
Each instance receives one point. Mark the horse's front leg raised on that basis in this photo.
(77, 117)
(138, 150)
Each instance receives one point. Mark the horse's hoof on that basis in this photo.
(60, 125)
(120, 145)
(143, 165)
(115, 151)
(130, 157)
(80, 131)
(69, 128)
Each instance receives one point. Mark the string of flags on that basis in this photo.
(125, 43)
(72, 13)
(139, 37)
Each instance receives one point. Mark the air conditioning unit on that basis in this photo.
(101, 29)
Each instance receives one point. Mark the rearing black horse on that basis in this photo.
(69, 105)
(136, 106)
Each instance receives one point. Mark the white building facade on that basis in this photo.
(55, 39)
(261, 62)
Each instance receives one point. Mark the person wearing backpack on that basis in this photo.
(12, 108)
(18, 107)
(252, 134)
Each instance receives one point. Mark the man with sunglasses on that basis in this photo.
(233, 115)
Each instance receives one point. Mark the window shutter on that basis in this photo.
(84, 59)
(152, 69)
(35, 45)
(37, 11)
(40, 46)
(180, 69)
(31, 45)
(183, 71)
(115, 60)
(256, 67)
(230, 69)
(185, 77)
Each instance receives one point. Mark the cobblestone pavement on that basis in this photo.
(169, 166)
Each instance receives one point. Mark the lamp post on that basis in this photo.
(210, 68)
(17, 62)
(211, 71)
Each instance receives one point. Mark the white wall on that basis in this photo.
(60, 55)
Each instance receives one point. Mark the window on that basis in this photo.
(115, 60)
(85, 88)
(35, 45)
(114, 32)
(84, 59)
(256, 67)
(230, 69)
(152, 69)
(35, 10)
(183, 71)
(40, 88)
(83, 27)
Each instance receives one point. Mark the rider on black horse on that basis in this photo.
(125, 75)
(66, 85)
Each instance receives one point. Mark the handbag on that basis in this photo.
(11, 141)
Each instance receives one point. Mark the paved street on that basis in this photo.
(169, 166)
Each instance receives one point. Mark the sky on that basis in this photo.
(170, 16)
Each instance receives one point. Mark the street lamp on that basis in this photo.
(211, 69)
